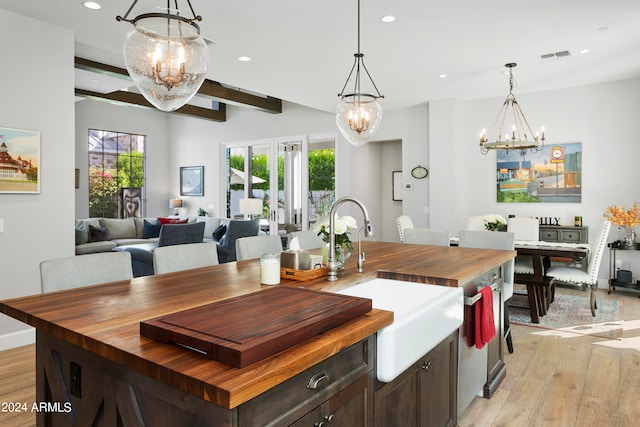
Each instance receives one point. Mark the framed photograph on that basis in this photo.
(396, 186)
(192, 181)
(19, 161)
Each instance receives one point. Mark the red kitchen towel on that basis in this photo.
(485, 327)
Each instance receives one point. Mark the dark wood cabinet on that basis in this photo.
(350, 407)
(337, 391)
(424, 394)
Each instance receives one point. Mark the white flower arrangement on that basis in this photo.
(493, 222)
(341, 227)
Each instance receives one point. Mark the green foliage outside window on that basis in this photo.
(130, 168)
(321, 170)
(103, 192)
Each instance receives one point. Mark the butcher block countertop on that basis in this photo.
(105, 319)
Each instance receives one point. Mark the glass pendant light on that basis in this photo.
(165, 55)
(359, 114)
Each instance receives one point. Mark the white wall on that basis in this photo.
(37, 94)
(152, 123)
(197, 142)
(603, 117)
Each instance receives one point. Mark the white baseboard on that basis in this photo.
(17, 339)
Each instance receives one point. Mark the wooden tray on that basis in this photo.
(303, 275)
(242, 330)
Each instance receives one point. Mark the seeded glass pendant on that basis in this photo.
(165, 56)
(358, 115)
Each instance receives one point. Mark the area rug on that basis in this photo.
(572, 314)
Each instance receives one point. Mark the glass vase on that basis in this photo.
(630, 237)
(342, 254)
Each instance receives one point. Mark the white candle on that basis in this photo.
(270, 269)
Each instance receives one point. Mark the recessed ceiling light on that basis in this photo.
(244, 59)
(443, 76)
(93, 5)
(584, 51)
(388, 18)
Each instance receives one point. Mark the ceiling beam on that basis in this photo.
(209, 88)
(138, 100)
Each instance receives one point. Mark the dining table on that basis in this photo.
(540, 287)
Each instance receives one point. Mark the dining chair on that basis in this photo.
(254, 246)
(495, 240)
(404, 222)
(475, 223)
(167, 259)
(524, 228)
(85, 270)
(590, 277)
(307, 239)
(426, 236)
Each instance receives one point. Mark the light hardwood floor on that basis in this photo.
(551, 381)
(567, 381)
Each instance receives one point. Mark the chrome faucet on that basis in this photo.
(332, 263)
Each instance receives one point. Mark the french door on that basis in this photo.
(293, 176)
(276, 171)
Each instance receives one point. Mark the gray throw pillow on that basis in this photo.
(82, 233)
(151, 230)
(99, 234)
(219, 233)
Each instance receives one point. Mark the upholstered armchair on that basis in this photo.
(236, 230)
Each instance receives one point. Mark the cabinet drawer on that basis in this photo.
(549, 235)
(287, 402)
(563, 233)
(571, 236)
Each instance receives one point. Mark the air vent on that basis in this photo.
(556, 56)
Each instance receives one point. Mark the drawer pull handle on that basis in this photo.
(315, 380)
(319, 424)
(329, 418)
(426, 365)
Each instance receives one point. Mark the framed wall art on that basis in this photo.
(192, 181)
(551, 175)
(19, 161)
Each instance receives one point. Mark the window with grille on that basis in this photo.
(116, 174)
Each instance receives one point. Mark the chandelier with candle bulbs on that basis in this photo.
(520, 137)
(358, 115)
(165, 55)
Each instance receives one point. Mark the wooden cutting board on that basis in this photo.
(242, 330)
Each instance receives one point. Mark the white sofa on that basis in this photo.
(129, 231)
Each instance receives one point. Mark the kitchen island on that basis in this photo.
(90, 351)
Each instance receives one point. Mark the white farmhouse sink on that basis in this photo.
(424, 315)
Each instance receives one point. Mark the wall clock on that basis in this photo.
(419, 172)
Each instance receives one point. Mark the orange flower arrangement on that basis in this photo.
(622, 218)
